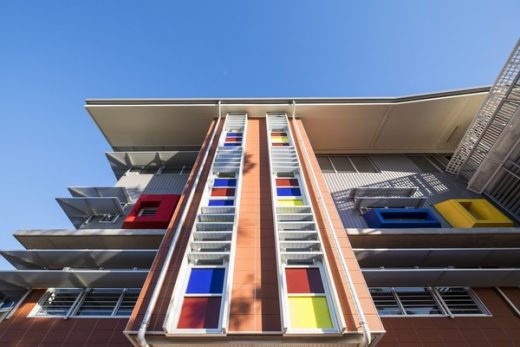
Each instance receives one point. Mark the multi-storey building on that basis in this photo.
(368, 221)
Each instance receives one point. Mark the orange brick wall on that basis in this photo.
(255, 305)
(347, 302)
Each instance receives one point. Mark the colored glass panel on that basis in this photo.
(199, 313)
(233, 139)
(304, 281)
(280, 144)
(278, 134)
(232, 144)
(279, 138)
(223, 192)
(290, 202)
(221, 203)
(280, 182)
(234, 135)
(288, 192)
(223, 182)
(309, 312)
(206, 281)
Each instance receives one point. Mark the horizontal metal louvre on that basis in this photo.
(459, 301)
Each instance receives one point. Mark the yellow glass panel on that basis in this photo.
(283, 139)
(290, 202)
(309, 312)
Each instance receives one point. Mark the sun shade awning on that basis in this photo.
(101, 192)
(85, 259)
(441, 277)
(79, 210)
(90, 238)
(11, 280)
(438, 257)
(121, 162)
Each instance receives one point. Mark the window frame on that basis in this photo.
(76, 306)
(443, 307)
(473, 296)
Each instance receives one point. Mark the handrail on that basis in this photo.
(141, 334)
(357, 304)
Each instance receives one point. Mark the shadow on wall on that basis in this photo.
(435, 186)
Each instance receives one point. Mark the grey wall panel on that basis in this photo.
(395, 171)
(135, 184)
(166, 184)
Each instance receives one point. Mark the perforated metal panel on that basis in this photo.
(490, 122)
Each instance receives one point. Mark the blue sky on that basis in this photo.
(54, 54)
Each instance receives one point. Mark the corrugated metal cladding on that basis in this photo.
(138, 184)
(395, 171)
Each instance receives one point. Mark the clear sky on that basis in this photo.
(54, 54)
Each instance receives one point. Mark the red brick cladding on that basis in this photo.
(21, 331)
(501, 329)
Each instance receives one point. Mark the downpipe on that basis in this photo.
(367, 338)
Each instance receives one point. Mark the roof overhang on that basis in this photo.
(101, 192)
(438, 257)
(36, 279)
(79, 210)
(434, 237)
(90, 238)
(442, 277)
(436, 121)
(80, 259)
(122, 161)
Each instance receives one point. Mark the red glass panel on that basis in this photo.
(223, 192)
(303, 280)
(286, 182)
(199, 313)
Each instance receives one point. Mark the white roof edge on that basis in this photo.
(279, 100)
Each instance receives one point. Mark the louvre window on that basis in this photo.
(127, 303)
(325, 165)
(423, 163)
(96, 302)
(6, 305)
(460, 301)
(418, 301)
(386, 302)
(413, 301)
(58, 303)
(147, 211)
(99, 302)
(363, 164)
(342, 164)
(354, 163)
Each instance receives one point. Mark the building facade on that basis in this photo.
(354, 222)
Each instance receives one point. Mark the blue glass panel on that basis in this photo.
(225, 182)
(206, 281)
(288, 192)
(221, 203)
(232, 144)
(234, 134)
